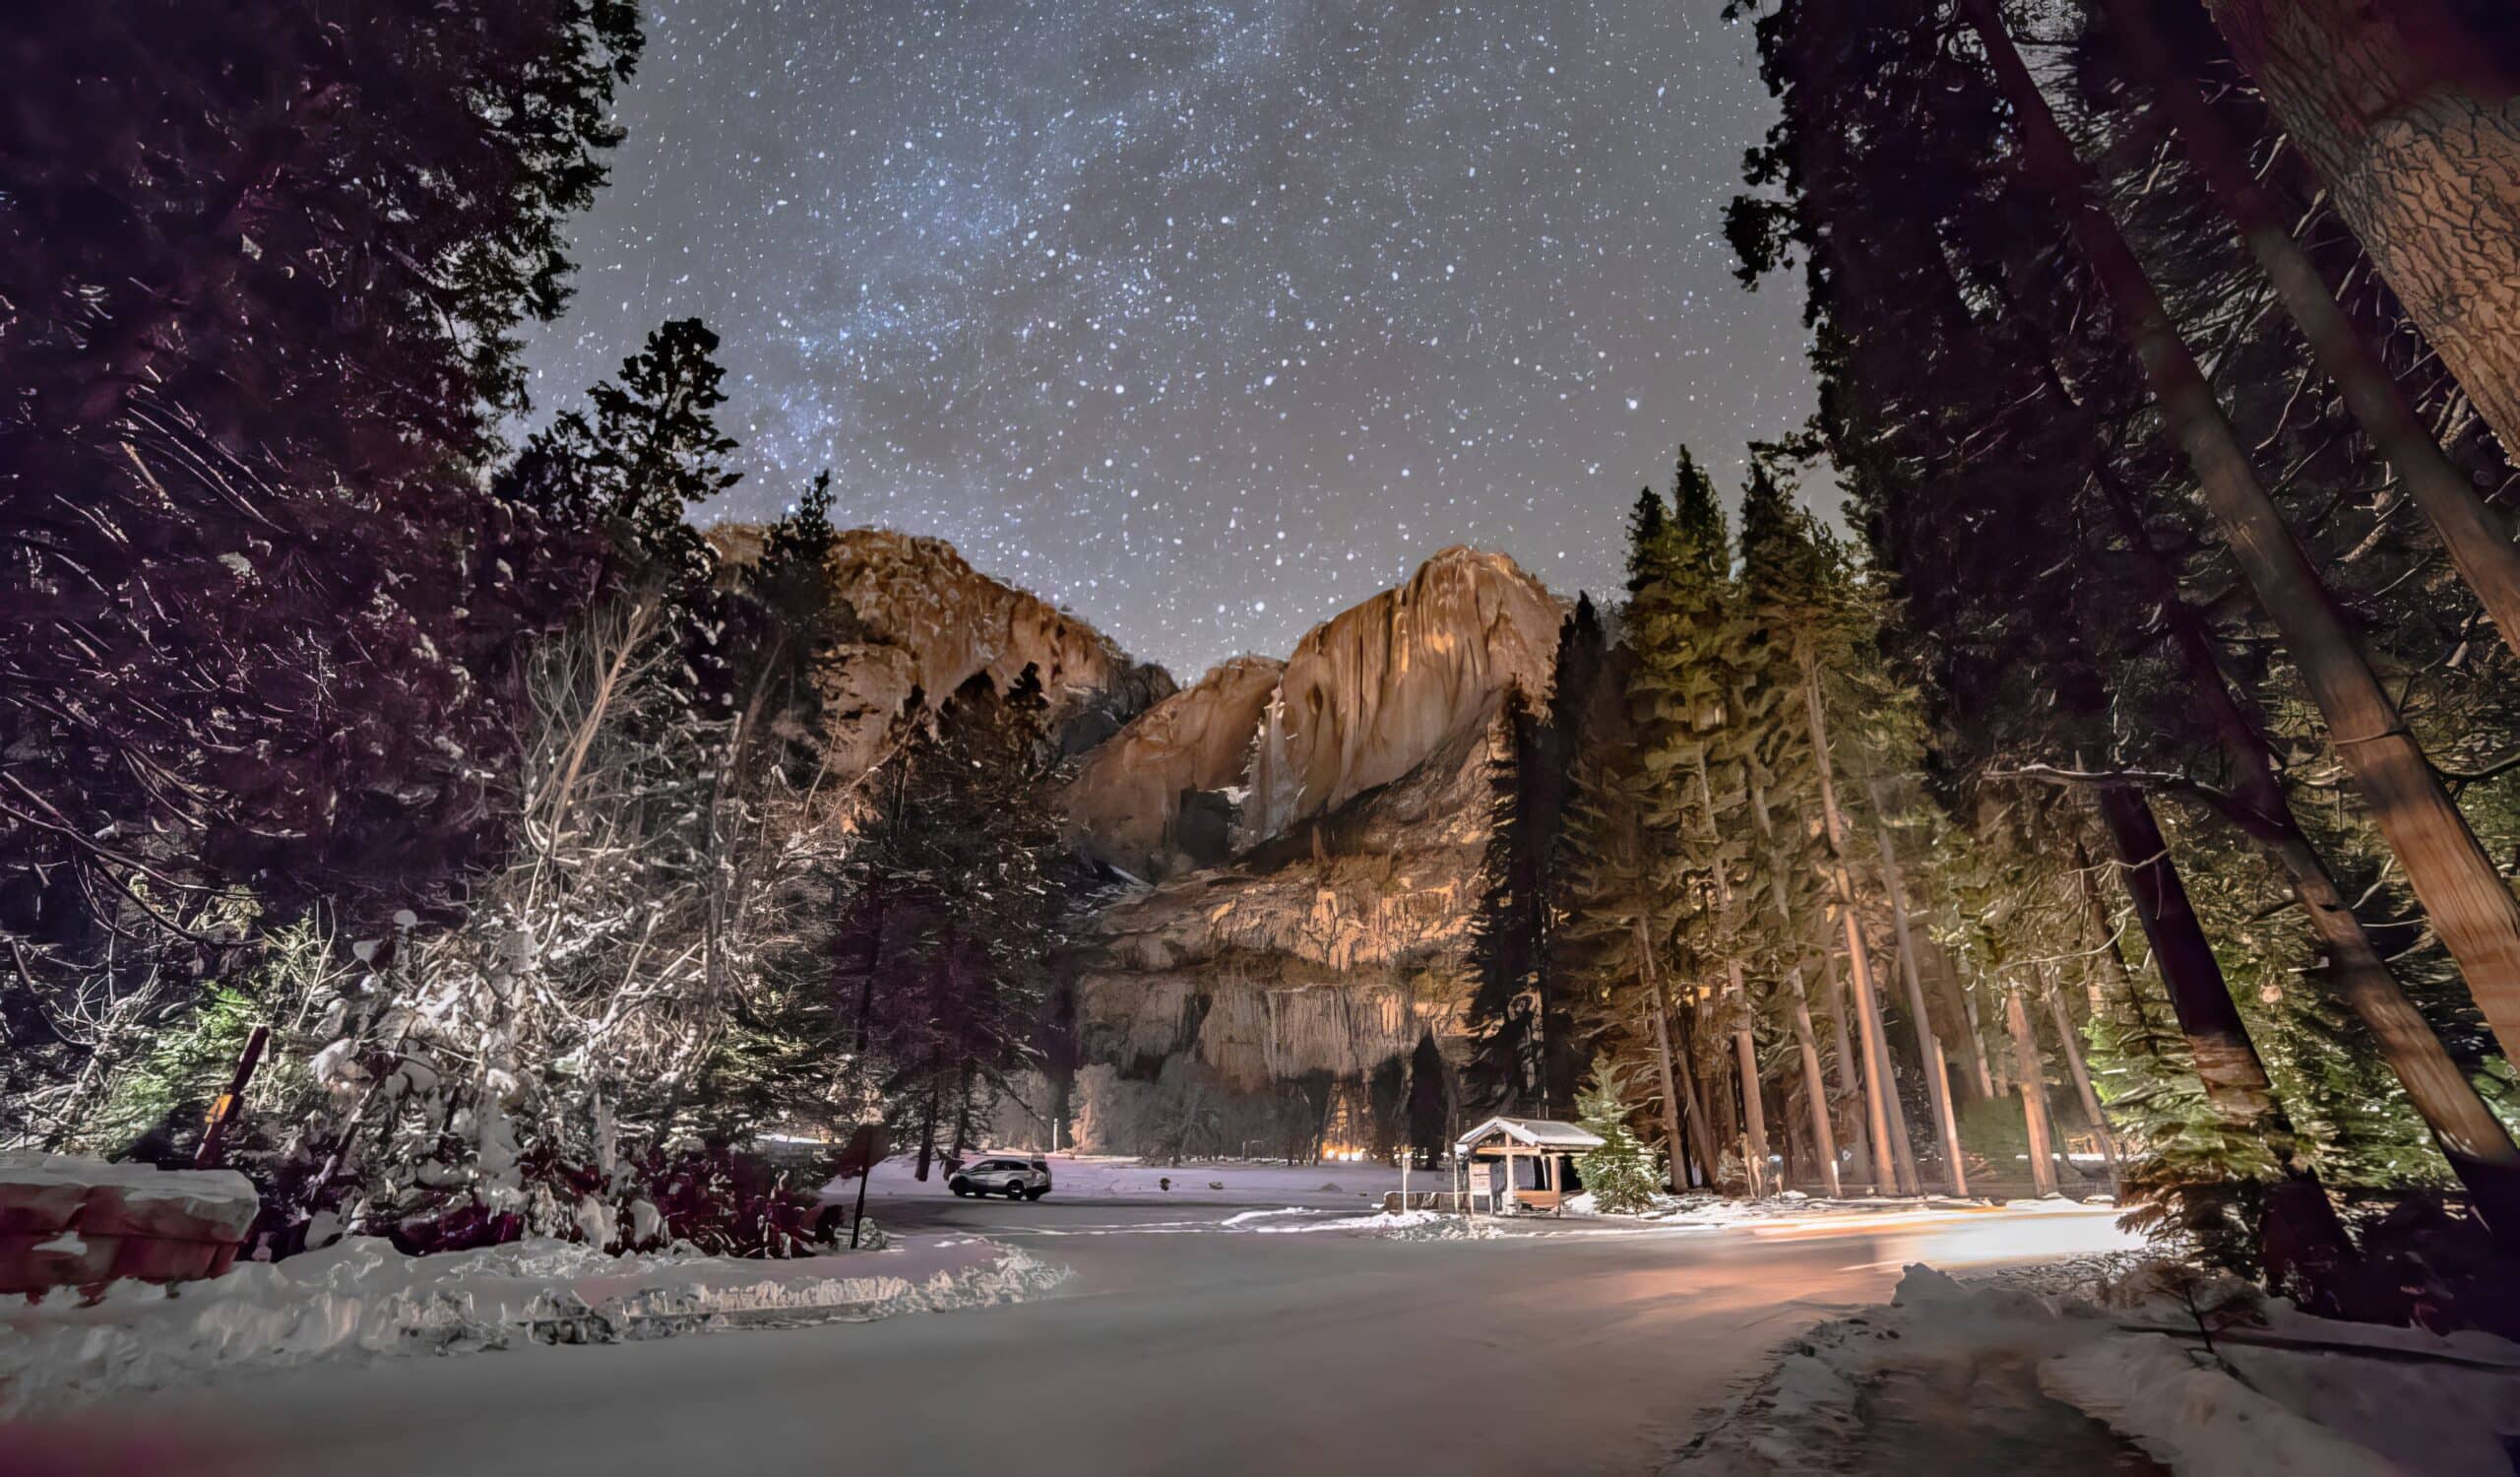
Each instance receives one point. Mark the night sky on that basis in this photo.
(1203, 320)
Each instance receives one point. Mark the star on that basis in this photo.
(1201, 319)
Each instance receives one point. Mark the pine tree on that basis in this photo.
(651, 453)
(264, 272)
(1509, 941)
(1622, 1176)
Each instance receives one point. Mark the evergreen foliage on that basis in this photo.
(1622, 1176)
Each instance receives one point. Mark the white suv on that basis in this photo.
(1014, 1179)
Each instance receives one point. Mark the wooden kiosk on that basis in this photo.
(1546, 1143)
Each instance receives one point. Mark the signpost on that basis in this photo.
(866, 1149)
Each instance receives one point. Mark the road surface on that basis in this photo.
(1178, 1346)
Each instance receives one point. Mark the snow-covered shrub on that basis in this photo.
(728, 1203)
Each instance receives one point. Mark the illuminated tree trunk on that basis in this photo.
(2069, 1041)
(1929, 1046)
(2416, 132)
(1755, 1119)
(2303, 1233)
(1676, 1146)
(1815, 1091)
(2470, 906)
(1981, 1080)
(1754, 1112)
(2033, 1079)
(1886, 1121)
(1850, 1075)
(2470, 1137)
(2479, 546)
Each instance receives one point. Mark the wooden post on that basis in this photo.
(223, 1109)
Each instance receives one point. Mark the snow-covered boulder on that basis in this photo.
(71, 1222)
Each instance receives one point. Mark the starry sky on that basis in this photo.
(1203, 318)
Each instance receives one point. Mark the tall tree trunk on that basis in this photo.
(2303, 1234)
(1850, 1074)
(1815, 1091)
(1754, 1123)
(2479, 545)
(1964, 1011)
(2471, 907)
(928, 1122)
(2467, 1132)
(1887, 1119)
(2034, 1093)
(2069, 1041)
(1880, 1093)
(2417, 131)
(1702, 1141)
(1754, 1112)
(963, 1109)
(1903, 1154)
(1675, 1145)
(1928, 1044)
(1806, 1046)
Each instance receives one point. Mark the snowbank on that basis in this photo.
(2279, 1390)
(1396, 1225)
(1708, 1210)
(363, 1299)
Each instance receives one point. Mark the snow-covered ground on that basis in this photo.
(1577, 1346)
(1710, 1212)
(2074, 1358)
(361, 1299)
(1081, 1177)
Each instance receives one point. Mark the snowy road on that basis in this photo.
(1181, 1346)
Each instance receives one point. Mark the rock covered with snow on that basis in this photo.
(73, 1222)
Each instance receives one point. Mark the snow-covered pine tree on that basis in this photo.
(1622, 1176)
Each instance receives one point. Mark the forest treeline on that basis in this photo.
(2148, 752)
(458, 779)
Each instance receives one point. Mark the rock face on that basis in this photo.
(1375, 691)
(1298, 974)
(1190, 752)
(932, 623)
(1299, 843)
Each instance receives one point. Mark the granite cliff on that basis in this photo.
(1300, 926)
(930, 622)
(1290, 851)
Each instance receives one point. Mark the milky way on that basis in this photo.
(1203, 320)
